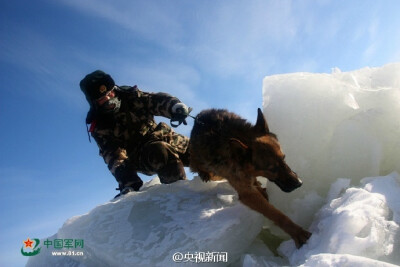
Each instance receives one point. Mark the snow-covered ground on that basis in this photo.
(340, 132)
(147, 228)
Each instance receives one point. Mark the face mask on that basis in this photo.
(109, 103)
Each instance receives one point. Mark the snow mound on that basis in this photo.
(358, 226)
(339, 125)
(147, 228)
(363, 222)
(344, 260)
(344, 124)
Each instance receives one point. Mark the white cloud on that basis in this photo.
(236, 37)
(373, 41)
(21, 46)
(154, 21)
(160, 76)
(223, 38)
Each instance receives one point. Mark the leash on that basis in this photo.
(196, 119)
(182, 119)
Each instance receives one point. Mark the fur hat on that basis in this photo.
(96, 84)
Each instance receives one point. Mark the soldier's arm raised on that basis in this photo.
(159, 104)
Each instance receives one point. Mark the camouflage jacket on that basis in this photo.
(120, 135)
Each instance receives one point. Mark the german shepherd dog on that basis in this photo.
(225, 146)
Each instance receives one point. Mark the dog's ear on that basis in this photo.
(261, 124)
(239, 151)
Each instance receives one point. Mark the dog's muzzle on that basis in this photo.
(289, 184)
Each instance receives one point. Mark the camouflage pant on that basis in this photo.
(164, 153)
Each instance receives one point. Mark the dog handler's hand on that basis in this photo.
(180, 108)
(179, 113)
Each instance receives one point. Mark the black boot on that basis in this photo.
(128, 181)
(124, 189)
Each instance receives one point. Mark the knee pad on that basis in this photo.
(158, 157)
(154, 156)
(172, 172)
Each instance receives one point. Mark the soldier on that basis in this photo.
(122, 122)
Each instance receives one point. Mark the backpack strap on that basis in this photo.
(90, 119)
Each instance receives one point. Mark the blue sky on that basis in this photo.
(207, 53)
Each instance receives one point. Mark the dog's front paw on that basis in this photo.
(301, 237)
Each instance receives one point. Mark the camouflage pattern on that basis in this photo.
(130, 140)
